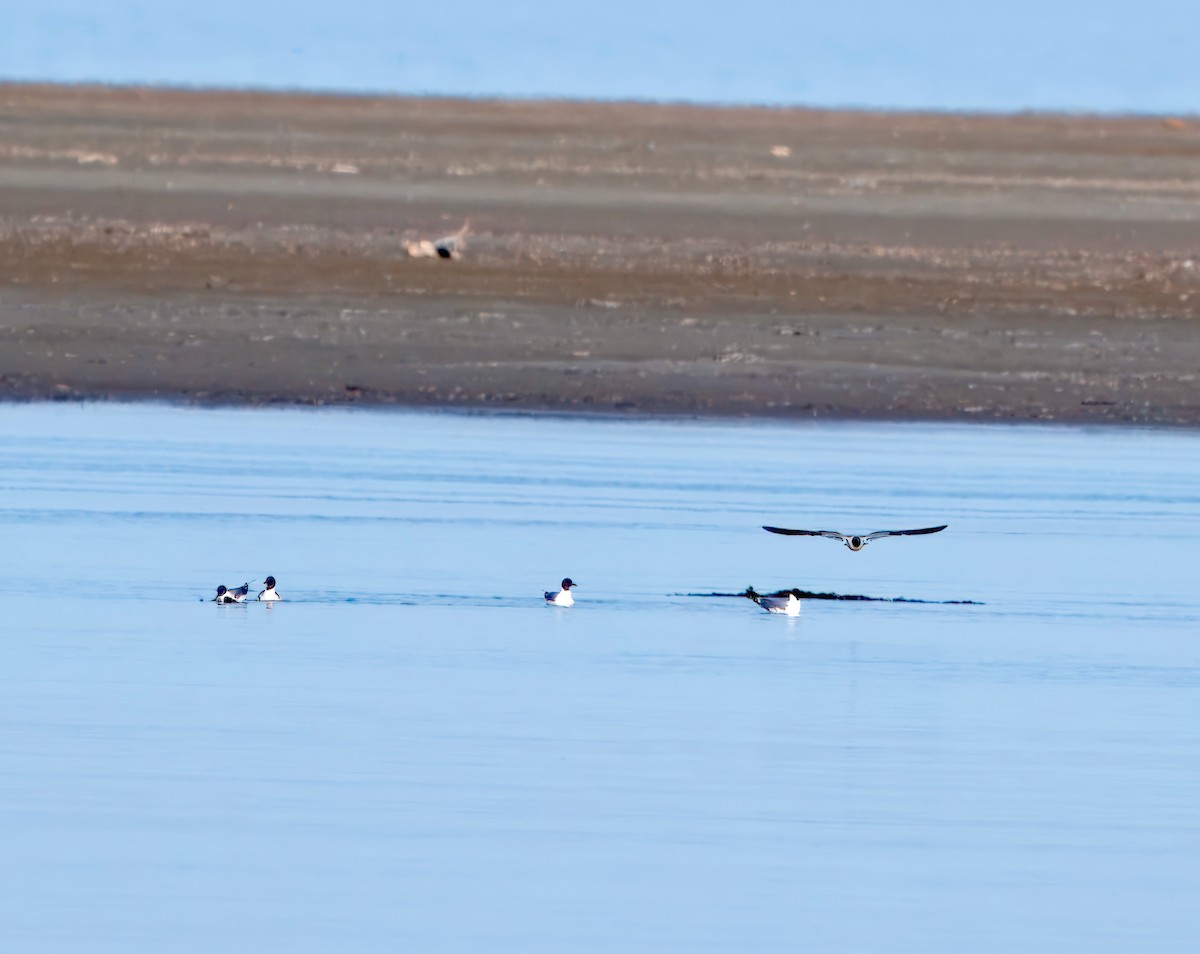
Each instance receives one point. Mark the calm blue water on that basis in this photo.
(413, 754)
(1073, 55)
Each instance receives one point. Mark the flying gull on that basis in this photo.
(855, 541)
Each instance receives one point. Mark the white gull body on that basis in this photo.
(777, 604)
(270, 594)
(235, 595)
(563, 597)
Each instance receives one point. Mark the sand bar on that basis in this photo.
(255, 248)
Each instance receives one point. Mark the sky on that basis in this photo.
(1019, 55)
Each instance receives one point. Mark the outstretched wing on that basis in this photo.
(832, 534)
(904, 533)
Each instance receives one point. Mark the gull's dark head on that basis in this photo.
(269, 582)
(567, 583)
(221, 591)
(796, 593)
(855, 543)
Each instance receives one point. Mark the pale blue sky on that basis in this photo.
(1023, 54)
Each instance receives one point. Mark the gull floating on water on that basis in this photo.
(563, 597)
(855, 541)
(227, 595)
(269, 595)
(777, 604)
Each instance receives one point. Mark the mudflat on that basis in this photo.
(241, 247)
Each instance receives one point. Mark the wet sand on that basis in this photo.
(254, 248)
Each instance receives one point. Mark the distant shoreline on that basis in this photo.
(202, 89)
(247, 247)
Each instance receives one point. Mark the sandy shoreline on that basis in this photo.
(252, 248)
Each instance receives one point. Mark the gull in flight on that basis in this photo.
(855, 541)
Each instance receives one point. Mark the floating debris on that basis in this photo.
(751, 594)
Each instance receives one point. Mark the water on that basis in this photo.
(413, 754)
(1071, 55)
